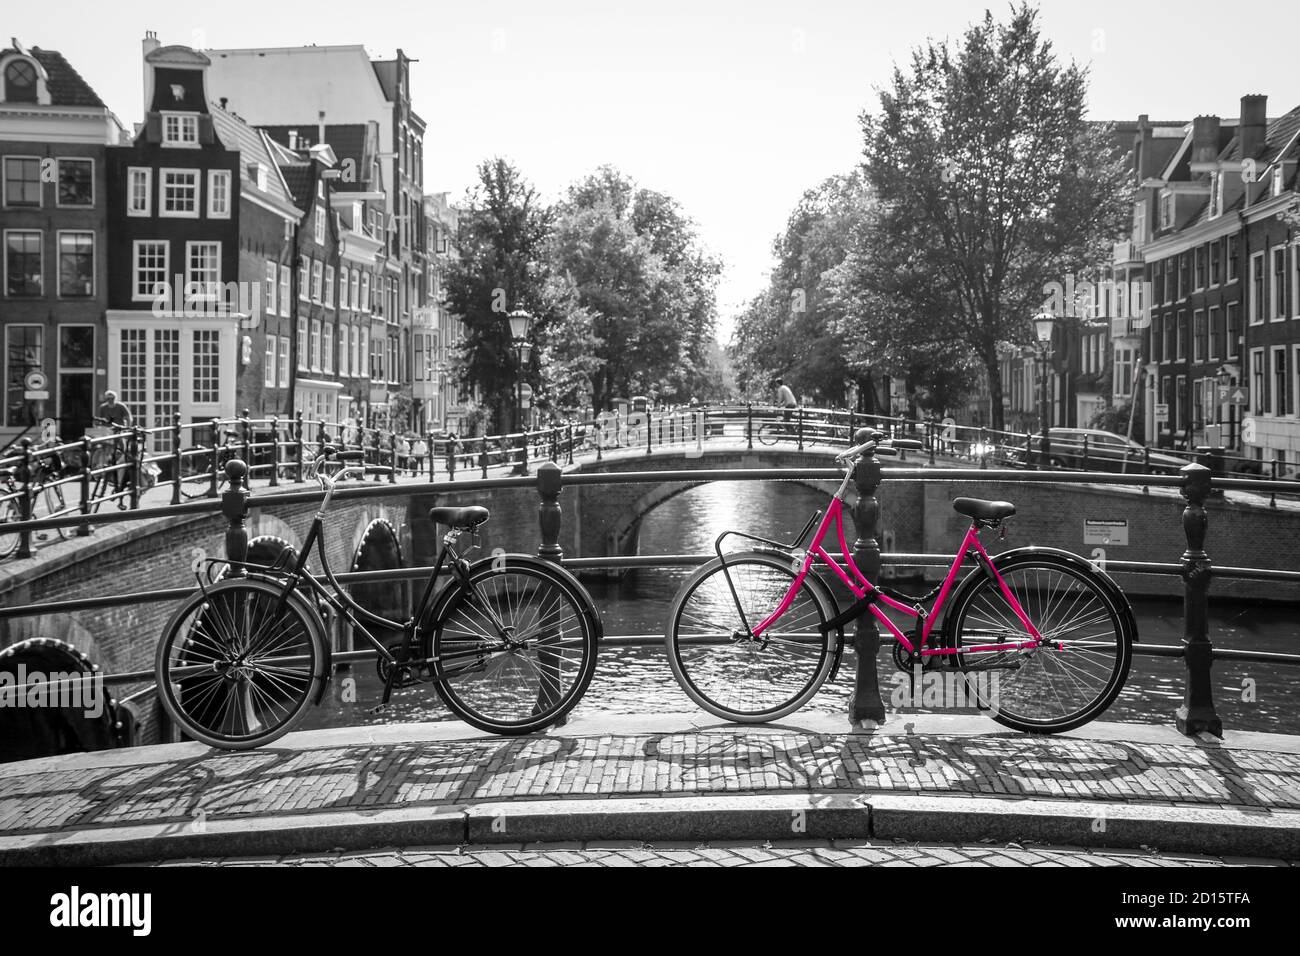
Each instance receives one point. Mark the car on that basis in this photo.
(1098, 450)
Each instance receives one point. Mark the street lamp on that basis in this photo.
(1226, 377)
(1044, 323)
(520, 322)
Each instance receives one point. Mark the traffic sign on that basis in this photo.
(1162, 411)
(1238, 396)
(35, 381)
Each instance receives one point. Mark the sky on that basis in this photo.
(732, 107)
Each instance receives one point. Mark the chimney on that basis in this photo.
(1254, 123)
(320, 127)
(293, 140)
(223, 102)
(147, 46)
(1205, 139)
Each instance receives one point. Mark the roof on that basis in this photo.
(386, 71)
(65, 84)
(253, 147)
(348, 140)
(298, 177)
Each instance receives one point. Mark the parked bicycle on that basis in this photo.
(752, 635)
(47, 499)
(510, 641)
(113, 465)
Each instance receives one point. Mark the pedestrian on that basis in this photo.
(418, 450)
(403, 454)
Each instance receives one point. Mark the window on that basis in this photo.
(1199, 273)
(1123, 380)
(1257, 288)
(1234, 244)
(1166, 209)
(1155, 338)
(181, 129)
(315, 345)
(139, 193)
(24, 348)
(202, 270)
(1180, 404)
(304, 290)
(1216, 262)
(22, 175)
(180, 193)
(268, 372)
(1200, 336)
(365, 292)
(218, 194)
(76, 263)
(302, 343)
(24, 266)
(359, 367)
(1282, 401)
(20, 82)
(329, 286)
(1258, 382)
(343, 350)
(284, 361)
(318, 225)
(1233, 348)
(284, 291)
(419, 356)
(1277, 288)
(76, 182)
(1183, 276)
(207, 367)
(317, 277)
(327, 348)
(356, 287)
(1182, 335)
(270, 287)
(1216, 333)
(150, 257)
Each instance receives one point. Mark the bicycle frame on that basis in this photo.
(869, 596)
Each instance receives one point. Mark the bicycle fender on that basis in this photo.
(442, 604)
(1107, 583)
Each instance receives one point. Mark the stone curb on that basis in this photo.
(1274, 834)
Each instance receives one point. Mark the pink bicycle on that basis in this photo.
(752, 635)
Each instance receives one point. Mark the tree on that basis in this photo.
(504, 228)
(991, 184)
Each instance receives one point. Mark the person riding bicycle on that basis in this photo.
(117, 416)
(786, 400)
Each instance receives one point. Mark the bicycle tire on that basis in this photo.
(9, 541)
(522, 592)
(768, 433)
(749, 681)
(55, 505)
(1093, 666)
(197, 693)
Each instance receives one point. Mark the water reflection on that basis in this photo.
(638, 680)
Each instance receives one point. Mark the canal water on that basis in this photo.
(631, 680)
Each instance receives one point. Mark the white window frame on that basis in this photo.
(1260, 308)
(327, 348)
(1276, 402)
(304, 279)
(1165, 207)
(317, 279)
(344, 356)
(354, 286)
(1212, 314)
(315, 345)
(1258, 379)
(318, 226)
(4, 182)
(1276, 285)
(216, 176)
(58, 272)
(213, 293)
(302, 342)
(58, 171)
(365, 352)
(284, 361)
(163, 211)
(131, 173)
(272, 282)
(136, 295)
(285, 276)
(365, 292)
(272, 362)
(45, 288)
(184, 122)
(329, 287)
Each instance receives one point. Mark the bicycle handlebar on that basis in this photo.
(879, 444)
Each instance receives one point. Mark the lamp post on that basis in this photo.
(520, 322)
(1044, 322)
(1226, 377)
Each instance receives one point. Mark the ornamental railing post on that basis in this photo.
(275, 451)
(1197, 714)
(866, 703)
(25, 503)
(299, 464)
(137, 465)
(749, 424)
(550, 481)
(214, 466)
(84, 529)
(177, 459)
(234, 505)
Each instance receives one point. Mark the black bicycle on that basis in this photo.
(510, 641)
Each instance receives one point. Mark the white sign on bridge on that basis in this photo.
(1105, 531)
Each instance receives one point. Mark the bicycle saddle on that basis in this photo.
(462, 519)
(982, 510)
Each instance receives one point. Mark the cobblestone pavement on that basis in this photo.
(41, 797)
(791, 853)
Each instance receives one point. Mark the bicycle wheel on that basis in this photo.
(516, 649)
(9, 540)
(237, 666)
(769, 433)
(1047, 689)
(51, 497)
(731, 675)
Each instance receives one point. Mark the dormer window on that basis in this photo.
(20, 82)
(1277, 180)
(1216, 195)
(181, 129)
(1166, 209)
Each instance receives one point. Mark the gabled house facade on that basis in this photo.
(55, 132)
